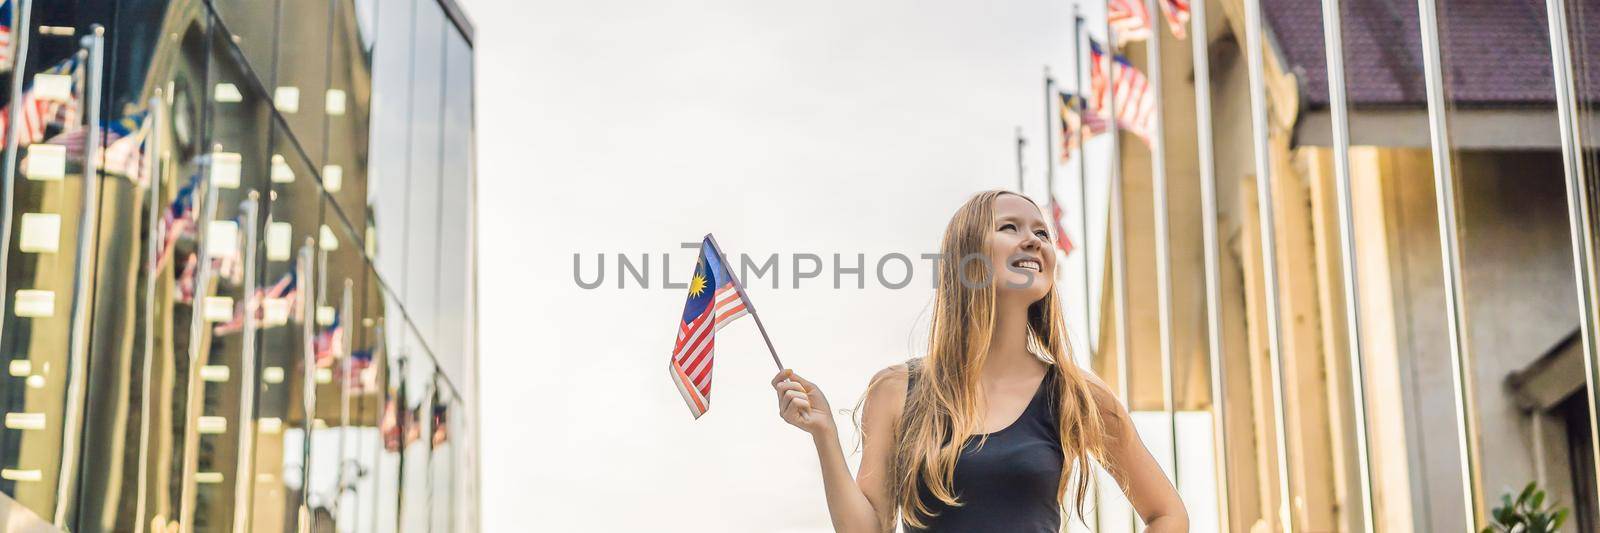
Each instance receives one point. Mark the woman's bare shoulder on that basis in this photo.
(886, 392)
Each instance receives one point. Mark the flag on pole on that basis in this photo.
(329, 344)
(714, 301)
(1063, 241)
(176, 220)
(1128, 20)
(6, 53)
(1117, 78)
(1131, 21)
(1077, 120)
(40, 111)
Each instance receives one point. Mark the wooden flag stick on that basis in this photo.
(739, 286)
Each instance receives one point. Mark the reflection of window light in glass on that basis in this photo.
(41, 233)
(20, 367)
(222, 238)
(272, 375)
(269, 425)
(225, 169)
(325, 315)
(25, 421)
(17, 474)
(278, 235)
(227, 93)
(318, 423)
(219, 308)
(274, 312)
(332, 177)
(46, 162)
(57, 31)
(372, 242)
(328, 242)
(324, 376)
(287, 99)
(335, 103)
(33, 303)
(36, 381)
(208, 477)
(211, 425)
(52, 87)
(281, 173)
(214, 373)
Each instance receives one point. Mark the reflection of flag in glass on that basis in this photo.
(1077, 120)
(441, 424)
(1063, 241)
(329, 344)
(176, 220)
(6, 59)
(39, 112)
(390, 426)
(284, 289)
(714, 301)
(1135, 103)
(363, 377)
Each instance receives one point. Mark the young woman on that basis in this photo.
(987, 432)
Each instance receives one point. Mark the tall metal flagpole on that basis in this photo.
(1332, 27)
(1450, 254)
(1208, 231)
(1158, 185)
(1021, 144)
(1579, 196)
(739, 286)
(1083, 180)
(1083, 223)
(1049, 141)
(1254, 51)
(1118, 234)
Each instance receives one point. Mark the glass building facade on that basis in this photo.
(238, 263)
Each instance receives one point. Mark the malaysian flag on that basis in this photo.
(176, 220)
(329, 344)
(1131, 21)
(39, 112)
(6, 53)
(1063, 241)
(284, 289)
(715, 299)
(362, 377)
(1076, 121)
(1135, 103)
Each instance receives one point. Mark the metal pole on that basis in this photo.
(245, 474)
(1332, 27)
(197, 332)
(308, 386)
(1118, 231)
(1579, 196)
(1083, 224)
(1450, 251)
(152, 245)
(21, 10)
(1208, 231)
(82, 265)
(1158, 186)
(1021, 143)
(1049, 139)
(1083, 180)
(1254, 51)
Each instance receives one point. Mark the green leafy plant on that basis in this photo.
(1527, 514)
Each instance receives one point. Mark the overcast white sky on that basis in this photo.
(822, 127)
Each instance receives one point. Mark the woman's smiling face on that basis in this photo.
(1020, 249)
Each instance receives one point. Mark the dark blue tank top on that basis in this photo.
(1008, 483)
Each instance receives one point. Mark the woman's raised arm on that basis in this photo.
(861, 504)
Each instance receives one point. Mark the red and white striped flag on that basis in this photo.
(715, 299)
(1116, 78)
(1063, 241)
(1131, 21)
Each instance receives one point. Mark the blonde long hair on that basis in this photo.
(942, 408)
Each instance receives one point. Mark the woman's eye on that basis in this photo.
(1042, 234)
(1008, 227)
